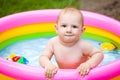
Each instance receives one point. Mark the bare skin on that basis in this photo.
(70, 51)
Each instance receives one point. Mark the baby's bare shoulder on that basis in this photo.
(53, 39)
(88, 47)
(84, 43)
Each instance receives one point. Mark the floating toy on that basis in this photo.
(11, 56)
(19, 59)
(16, 58)
(23, 60)
(107, 46)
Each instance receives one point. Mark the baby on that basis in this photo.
(69, 50)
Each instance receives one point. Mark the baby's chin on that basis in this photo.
(69, 40)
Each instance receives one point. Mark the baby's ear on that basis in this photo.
(56, 28)
(83, 29)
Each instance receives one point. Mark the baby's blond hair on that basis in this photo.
(71, 10)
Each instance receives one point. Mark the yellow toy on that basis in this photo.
(11, 56)
(107, 46)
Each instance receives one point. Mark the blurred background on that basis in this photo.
(110, 8)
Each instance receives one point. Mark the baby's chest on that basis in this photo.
(68, 55)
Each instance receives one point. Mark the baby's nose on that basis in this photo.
(69, 29)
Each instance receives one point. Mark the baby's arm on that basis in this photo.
(45, 62)
(96, 56)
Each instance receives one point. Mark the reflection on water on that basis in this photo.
(31, 50)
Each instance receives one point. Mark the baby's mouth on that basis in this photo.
(68, 35)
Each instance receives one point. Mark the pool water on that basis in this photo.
(31, 50)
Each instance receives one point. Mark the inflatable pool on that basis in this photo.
(40, 23)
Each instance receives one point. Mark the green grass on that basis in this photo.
(118, 17)
(8, 7)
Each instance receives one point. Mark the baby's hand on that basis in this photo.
(83, 69)
(50, 70)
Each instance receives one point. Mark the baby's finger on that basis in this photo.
(83, 73)
(87, 71)
(50, 74)
(47, 73)
(55, 71)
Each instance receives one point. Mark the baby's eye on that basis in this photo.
(74, 26)
(64, 26)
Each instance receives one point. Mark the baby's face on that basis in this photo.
(69, 27)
